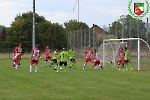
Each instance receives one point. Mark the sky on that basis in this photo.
(99, 12)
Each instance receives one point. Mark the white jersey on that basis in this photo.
(96, 58)
(36, 54)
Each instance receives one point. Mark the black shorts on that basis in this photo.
(62, 63)
(126, 61)
(72, 60)
(54, 60)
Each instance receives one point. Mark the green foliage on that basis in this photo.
(130, 27)
(3, 30)
(50, 34)
(47, 33)
(74, 25)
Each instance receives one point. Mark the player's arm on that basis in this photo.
(39, 54)
(85, 53)
(75, 54)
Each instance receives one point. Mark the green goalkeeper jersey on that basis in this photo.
(126, 56)
(72, 54)
(63, 56)
(55, 56)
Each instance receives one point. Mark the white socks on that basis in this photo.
(16, 67)
(30, 68)
(36, 69)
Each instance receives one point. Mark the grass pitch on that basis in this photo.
(72, 84)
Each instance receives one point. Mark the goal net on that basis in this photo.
(139, 52)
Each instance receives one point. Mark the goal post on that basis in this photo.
(111, 47)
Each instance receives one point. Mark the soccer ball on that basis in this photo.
(61, 68)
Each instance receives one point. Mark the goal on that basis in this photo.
(139, 51)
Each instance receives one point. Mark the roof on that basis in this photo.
(98, 30)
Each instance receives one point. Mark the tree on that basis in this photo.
(50, 34)
(127, 26)
(21, 30)
(2, 35)
(74, 25)
(47, 33)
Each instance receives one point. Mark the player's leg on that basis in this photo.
(45, 62)
(65, 64)
(100, 65)
(95, 65)
(125, 65)
(72, 63)
(92, 61)
(86, 61)
(60, 66)
(129, 66)
(56, 64)
(31, 64)
(16, 64)
(36, 67)
(119, 64)
(50, 61)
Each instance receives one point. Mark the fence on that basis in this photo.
(80, 40)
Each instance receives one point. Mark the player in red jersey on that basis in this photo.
(47, 52)
(18, 49)
(35, 54)
(96, 60)
(17, 59)
(121, 58)
(88, 56)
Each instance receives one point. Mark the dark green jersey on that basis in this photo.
(55, 56)
(63, 56)
(72, 54)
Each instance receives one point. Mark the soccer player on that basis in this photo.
(121, 58)
(54, 60)
(126, 59)
(35, 54)
(63, 58)
(88, 56)
(72, 54)
(17, 59)
(47, 52)
(18, 49)
(97, 61)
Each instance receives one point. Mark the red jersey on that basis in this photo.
(121, 55)
(17, 50)
(36, 54)
(47, 52)
(17, 56)
(88, 53)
